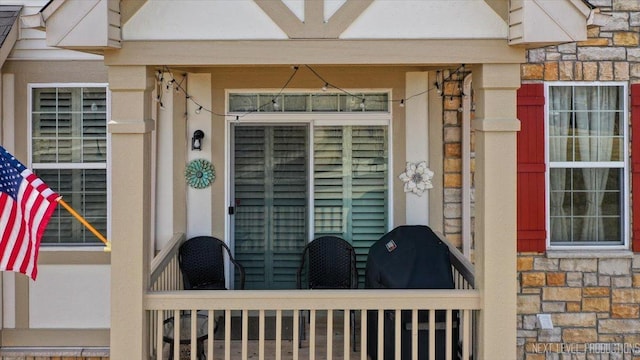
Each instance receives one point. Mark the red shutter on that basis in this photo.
(531, 169)
(635, 165)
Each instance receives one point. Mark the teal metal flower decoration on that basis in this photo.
(200, 173)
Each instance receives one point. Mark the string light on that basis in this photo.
(438, 90)
(170, 84)
(438, 86)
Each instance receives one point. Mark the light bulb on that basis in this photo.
(198, 110)
(170, 85)
(276, 106)
(362, 104)
(402, 103)
(325, 86)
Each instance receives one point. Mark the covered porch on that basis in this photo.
(486, 313)
(267, 324)
(252, 49)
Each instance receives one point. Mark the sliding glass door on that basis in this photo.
(271, 202)
(275, 167)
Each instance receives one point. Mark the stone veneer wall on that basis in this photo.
(594, 304)
(593, 299)
(452, 166)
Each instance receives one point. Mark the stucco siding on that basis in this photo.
(228, 20)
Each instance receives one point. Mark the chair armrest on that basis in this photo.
(240, 270)
(301, 268)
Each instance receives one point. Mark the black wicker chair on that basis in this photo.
(201, 262)
(331, 264)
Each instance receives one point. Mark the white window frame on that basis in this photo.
(107, 165)
(626, 168)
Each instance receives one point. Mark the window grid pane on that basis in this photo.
(350, 184)
(316, 102)
(69, 127)
(586, 152)
(85, 191)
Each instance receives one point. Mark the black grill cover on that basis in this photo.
(409, 257)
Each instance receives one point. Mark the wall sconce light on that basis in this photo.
(196, 140)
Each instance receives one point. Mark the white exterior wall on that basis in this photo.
(200, 20)
(243, 19)
(70, 296)
(63, 296)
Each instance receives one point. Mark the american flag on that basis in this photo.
(26, 205)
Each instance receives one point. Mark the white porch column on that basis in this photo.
(417, 142)
(130, 128)
(495, 243)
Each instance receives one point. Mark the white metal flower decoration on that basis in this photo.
(417, 178)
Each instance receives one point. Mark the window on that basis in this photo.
(350, 184)
(587, 154)
(69, 152)
(316, 164)
(306, 102)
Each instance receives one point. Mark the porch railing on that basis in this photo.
(268, 324)
(165, 271)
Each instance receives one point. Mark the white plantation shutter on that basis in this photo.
(270, 193)
(250, 186)
(289, 202)
(350, 184)
(69, 152)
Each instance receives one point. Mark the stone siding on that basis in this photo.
(593, 300)
(452, 135)
(610, 53)
(594, 304)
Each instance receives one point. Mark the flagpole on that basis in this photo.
(86, 224)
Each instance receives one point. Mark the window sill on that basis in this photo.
(63, 248)
(589, 254)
